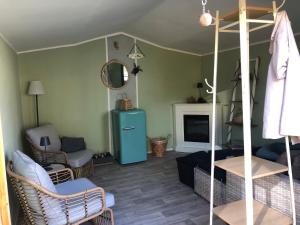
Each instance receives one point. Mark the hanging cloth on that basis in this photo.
(282, 105)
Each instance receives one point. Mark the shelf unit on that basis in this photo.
(246, 211)
(234, 214)
(232, 123)
(260, 167)
(235, 104)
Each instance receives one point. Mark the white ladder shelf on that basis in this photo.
(234, 101)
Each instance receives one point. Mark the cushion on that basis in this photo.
(266, 152)
(202, 160)
(295, 155)
(296, 167)
(78, 159)
(35, 135)
(79, 185)
(72, 144)
(26, 167)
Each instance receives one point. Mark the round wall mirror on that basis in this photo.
(114, 74)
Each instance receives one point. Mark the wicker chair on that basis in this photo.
(43, 207)
(81, 162)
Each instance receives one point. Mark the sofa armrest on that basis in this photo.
(61, 176)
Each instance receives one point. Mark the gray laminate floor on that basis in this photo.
(150, 193)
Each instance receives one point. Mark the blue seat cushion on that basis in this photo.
(266, 152)
(79, 185)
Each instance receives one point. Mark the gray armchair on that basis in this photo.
(81, 162)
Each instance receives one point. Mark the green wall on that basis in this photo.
(10, 103)
(76, 101)
(227, 62)
(168, 78)
(10, 107)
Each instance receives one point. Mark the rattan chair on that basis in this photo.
(74, 209)
(80, 162)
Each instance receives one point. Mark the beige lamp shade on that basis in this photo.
(36, 88)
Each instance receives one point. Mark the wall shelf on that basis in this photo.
(260, 167)
(235, 214)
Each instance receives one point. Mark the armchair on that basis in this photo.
(57, 199)
(81, 162)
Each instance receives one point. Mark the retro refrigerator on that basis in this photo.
(129, 136)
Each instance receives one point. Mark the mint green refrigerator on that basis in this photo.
(129, 136)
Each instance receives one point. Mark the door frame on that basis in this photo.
(4, 200)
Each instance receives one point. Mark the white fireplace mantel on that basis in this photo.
(196, 109)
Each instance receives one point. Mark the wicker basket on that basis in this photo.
(125, 104)
(158, 146)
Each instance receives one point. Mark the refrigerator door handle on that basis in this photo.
(128, 128)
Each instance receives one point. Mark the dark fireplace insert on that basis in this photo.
(196, 128)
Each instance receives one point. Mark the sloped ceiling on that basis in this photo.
(35, 24)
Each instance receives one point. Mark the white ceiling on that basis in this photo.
(34, 24)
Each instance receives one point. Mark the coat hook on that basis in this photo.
(212, 88)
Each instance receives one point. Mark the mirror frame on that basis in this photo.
(104, 74)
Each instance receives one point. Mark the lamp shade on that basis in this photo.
(36, 88)
(45, 141)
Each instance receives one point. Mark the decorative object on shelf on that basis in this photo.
(135, 52)
(36, 88)
(136, 69)
(159, 145)
(200, 99)
(206, 18)
(114, 74)
(191, 99)
(103, 158)
(124, 103)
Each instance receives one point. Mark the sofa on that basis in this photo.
(202, 160)
(272, 190)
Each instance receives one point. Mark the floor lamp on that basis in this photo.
(36, 88)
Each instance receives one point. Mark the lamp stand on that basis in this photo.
(37, 110)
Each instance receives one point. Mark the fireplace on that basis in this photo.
(193, 127)
(196, 128)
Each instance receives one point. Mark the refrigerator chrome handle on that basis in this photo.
(128, 128)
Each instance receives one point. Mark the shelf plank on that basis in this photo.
(240, 101)
(260, 167)
(235, 214)
(253, 12)
(238, 124)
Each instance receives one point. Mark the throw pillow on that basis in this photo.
(266, 152)
(72, 144)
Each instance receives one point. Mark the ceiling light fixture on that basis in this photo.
(206, 18)
(136, 52)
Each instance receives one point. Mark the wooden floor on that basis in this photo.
(150, 193)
